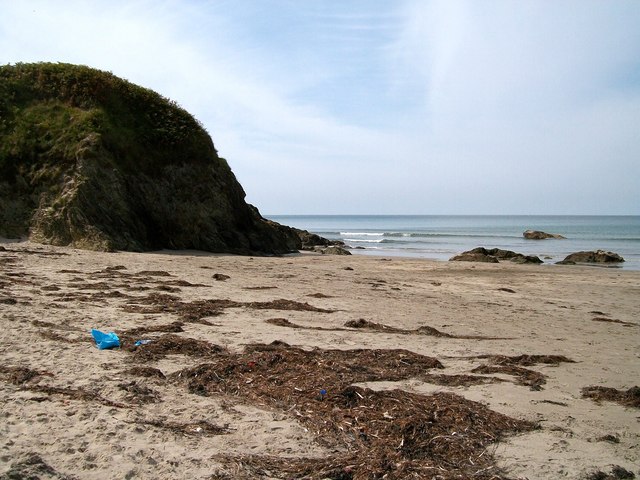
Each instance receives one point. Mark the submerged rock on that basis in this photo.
(598, 256)
(92, 161)
(538, 235)
(493, 255)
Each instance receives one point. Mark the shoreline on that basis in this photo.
(444, 236)
(626, 266)
(588, 315)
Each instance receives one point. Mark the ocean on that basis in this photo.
(439, 237)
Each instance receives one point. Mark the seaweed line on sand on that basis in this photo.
(197, 310)
(628, 398)
(362, 324)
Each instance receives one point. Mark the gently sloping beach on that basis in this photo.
(313, 366)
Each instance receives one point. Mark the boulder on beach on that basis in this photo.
(494, 255)
(538, 235)
(93, 161)
(474, 257)
(597, 256)
(335, 250)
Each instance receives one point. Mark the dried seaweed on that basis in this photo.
(553, 402)
(524, 376)
(50, 288)
(363, 324)
(617, 473)
(608, 438)
(93, 297)
(153, 273)
(183, 283)
(460, 380)
(201, 427)
(613, 320)
(629, 398)
(146, 372)
(395, 434)
(138, 393)
(20, 375)
(526, 360)
(75, 394)
(264, 370)
(91, 286)
(115, 268)
(175, 345)
(283, 304)
(283, 322)
(196, 311)
(128, 338)
(168, 288)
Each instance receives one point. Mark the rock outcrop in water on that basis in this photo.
(93, 161)
(494, 255)
(598, 256)
(538, 235)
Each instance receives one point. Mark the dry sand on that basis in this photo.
(69, 410)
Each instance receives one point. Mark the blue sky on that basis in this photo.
(381, 107)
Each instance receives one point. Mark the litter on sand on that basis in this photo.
(105, 340)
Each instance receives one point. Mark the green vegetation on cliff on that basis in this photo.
(91, 160)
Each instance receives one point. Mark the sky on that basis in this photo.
(381, 106)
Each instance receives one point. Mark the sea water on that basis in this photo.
(440, 237)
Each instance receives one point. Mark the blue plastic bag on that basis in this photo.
(105, 340)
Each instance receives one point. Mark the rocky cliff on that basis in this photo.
(93, 161)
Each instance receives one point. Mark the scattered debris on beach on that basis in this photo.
(374, 327)
(395, 434)
(613, 320)
(629, 398)
(201, 427)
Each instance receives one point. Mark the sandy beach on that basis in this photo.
(409, 368)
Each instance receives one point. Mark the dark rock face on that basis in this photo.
(538, 235)
(473, 257)
(598, 256)
(334, 250)
(311, 241)
(494, 255)
(92, 161)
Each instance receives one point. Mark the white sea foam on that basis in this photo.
(361, 234)
(362, 240)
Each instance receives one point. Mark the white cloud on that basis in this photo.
(431, 107)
